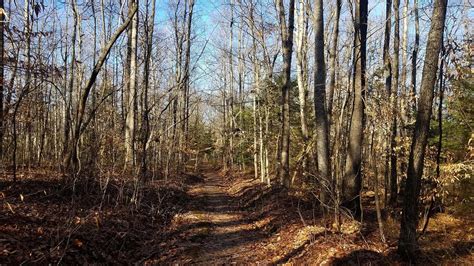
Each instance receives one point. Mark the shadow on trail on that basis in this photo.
(219, 225)
(237, 221)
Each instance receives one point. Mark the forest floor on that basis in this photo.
(207, 218)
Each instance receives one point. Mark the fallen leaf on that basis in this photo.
(97, 221)
(78, 243)
(10, 207)
(77, 220)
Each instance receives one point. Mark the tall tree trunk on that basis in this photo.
(414, 59)
(373, 153)
(231, 87)
(394, 98)
(256, 95)
(388, 78)
(321, 126)
(132, 92)
(333, 59)
(186, 82)
(26, 88)
(407, 245)
(241, 81)
(302, 67)
(352, 181)
(286, 33)
(2, 63)
(404, 90)
(70, 161)
(145, 130)
(440, 115)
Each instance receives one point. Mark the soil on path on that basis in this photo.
(217, 229)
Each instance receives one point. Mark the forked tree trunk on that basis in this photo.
(71, 159)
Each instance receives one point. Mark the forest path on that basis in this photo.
(215, 230)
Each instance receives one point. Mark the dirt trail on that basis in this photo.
(215, 229)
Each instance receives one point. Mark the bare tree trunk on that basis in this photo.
(388, 81)
(2, 72)
(321, 126)
(333, 59)
(256, 95)
(255, 138)
(393, 98)
(352, 182)
(440, 114)
(287, 44)
(186, 81)
(225, 119)
(26, 89)
(407, 245)
(132, 93)
(404, 91)
(241, 81)
(231, 87)
(145, 130)
(376, 187)
(302, 69)
(71, 158)
(414, 59)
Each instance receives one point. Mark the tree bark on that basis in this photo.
(394, 105)
(71, 159)
(186, 82)
(333, 59)
(302, 67)
(286, 33)
(414, 59)
(2, 63)
(388, 77)
(145, 130)
(256, 94)
(132, 92)
(352, 181)
(404, 90)
(321, 126)
(440, 116)
(407, 245)
(376, 187)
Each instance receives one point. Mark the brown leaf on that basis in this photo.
(78, 243)
(10, 207)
